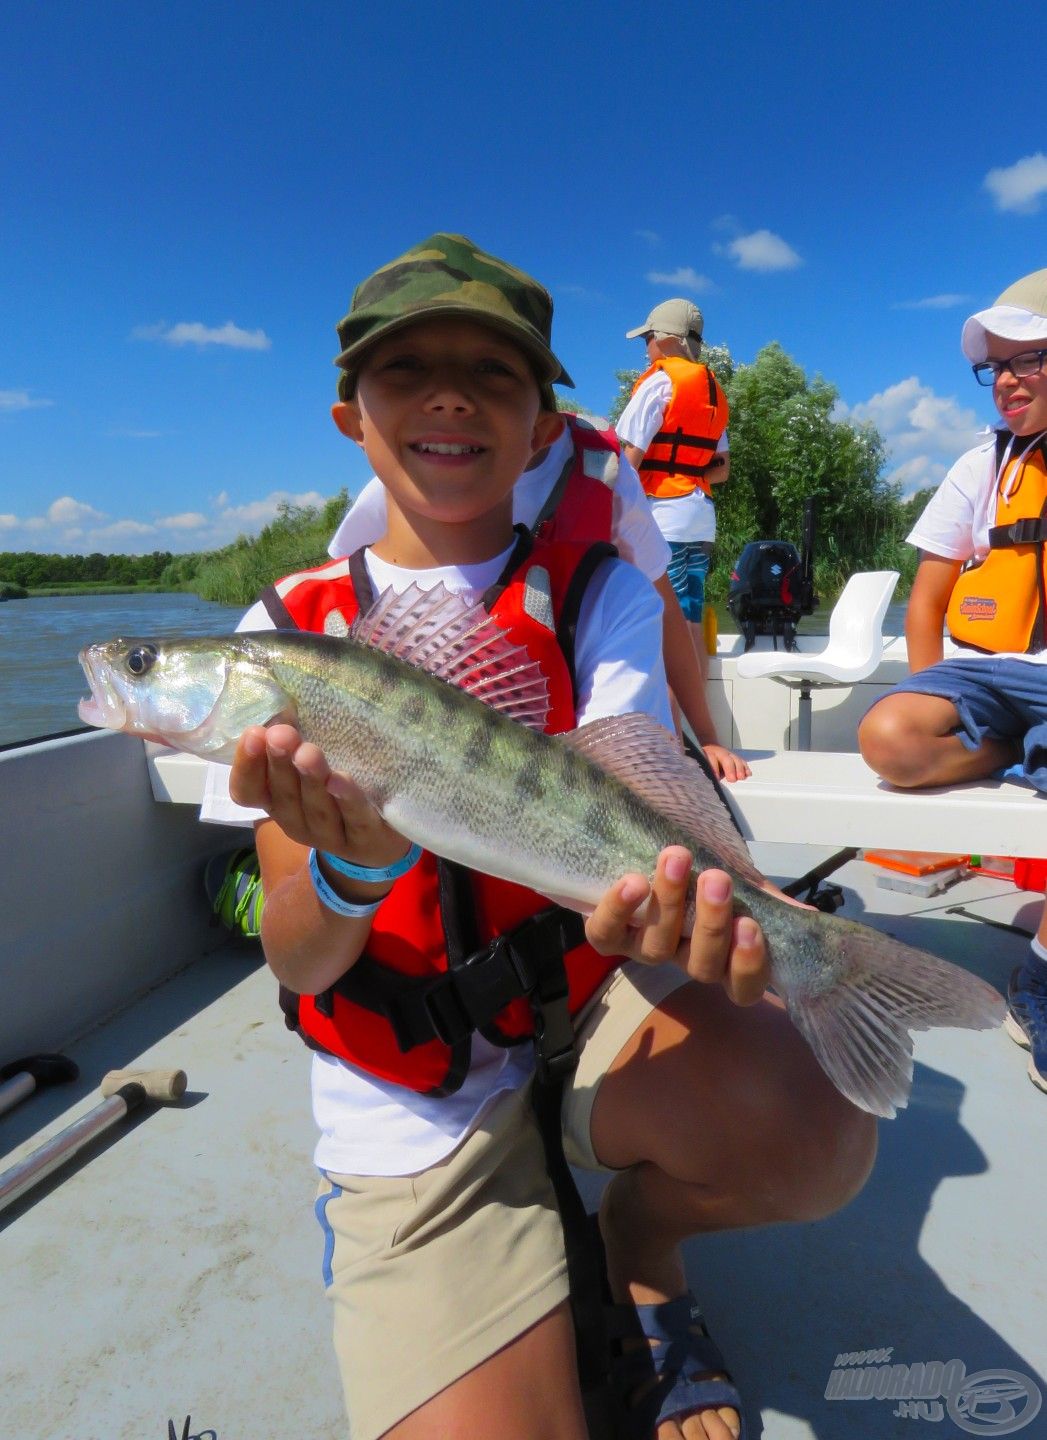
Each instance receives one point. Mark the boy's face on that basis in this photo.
(1022, 403)
(448, 413)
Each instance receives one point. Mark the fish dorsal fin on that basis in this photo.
(441, 633)
(643, 755)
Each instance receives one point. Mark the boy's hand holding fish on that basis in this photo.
(722, 948)
(276, 771)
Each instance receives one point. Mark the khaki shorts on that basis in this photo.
(431, 1274)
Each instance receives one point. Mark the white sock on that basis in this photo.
(1039, 951)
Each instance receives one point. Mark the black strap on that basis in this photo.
(675, 467)
(520, 551)
(276, 609)
(1030, 530)
(361, 581)
(567, 626)
(585, 1268)
(555, 495)
(526, 963)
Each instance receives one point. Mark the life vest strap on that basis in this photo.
(679, 468)
(527, 963)
(1031, 530)
(680, 437)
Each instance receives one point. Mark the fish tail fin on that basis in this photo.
(859, 1029)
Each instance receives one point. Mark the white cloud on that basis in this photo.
(257, 513)
(193, 333)
(69, 525)
(924, 432)
(13, 400)
(132, 536)
(762, 250)
(1020, 186)
(932, 302)
(684, 277)
(190, 520)
(68, 511)
(584, 293)
(651, 236)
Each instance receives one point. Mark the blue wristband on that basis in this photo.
(332, 899)
(375, 874)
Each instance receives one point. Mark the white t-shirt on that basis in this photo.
(370, 1127)
(684, 517)
(955, 525)
(633, 530)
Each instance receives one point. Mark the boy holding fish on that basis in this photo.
(983, 576)
(445, 780)
(445, 1256)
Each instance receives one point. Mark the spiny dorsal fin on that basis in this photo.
(460, 643)
(643, 755)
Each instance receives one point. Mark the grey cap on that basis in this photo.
(671, 317)
(1020, 313)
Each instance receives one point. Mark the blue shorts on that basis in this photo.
(688, 567)
(994, 700)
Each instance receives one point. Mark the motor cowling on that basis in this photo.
(770, 592)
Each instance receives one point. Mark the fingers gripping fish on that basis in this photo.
(439, 719)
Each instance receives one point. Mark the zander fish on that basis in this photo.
(438, 718)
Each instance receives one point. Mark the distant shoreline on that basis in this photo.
(55, 592)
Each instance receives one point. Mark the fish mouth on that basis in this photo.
(103, 707)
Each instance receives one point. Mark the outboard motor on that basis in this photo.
(772, 586)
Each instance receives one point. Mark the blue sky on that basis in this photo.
(190, 191)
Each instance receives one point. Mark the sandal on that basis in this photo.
(682, 1360)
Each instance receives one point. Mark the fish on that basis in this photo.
(439, 718)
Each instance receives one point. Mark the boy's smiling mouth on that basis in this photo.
(432, 447)
(441, 449)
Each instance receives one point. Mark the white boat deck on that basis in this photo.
(174, 1269)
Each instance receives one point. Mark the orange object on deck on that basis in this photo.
(914, 862)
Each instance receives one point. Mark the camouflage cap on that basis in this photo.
(449, 275)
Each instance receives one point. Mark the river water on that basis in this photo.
(41, 680)
(40, 677)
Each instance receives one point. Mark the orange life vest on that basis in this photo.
(1000, 604)
(580, 506)
(697, 414)
(448, 945)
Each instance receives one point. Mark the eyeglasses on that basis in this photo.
(1029, 362)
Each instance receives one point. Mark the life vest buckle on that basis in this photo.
(1030, 530)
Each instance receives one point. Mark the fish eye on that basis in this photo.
(141, 659)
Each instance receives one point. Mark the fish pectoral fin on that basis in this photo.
(859, 1029)
(643, 755)
(440, 633)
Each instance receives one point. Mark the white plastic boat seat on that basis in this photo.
(811, 797)
(852, 653)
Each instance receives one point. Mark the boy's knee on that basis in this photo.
(890, 745)
(833, 1162)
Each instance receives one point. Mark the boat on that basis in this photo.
(166, 1280)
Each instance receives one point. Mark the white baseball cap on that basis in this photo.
(671, 317)
(1020, 313)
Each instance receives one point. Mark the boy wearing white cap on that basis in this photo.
(673, 431)
(983, 576)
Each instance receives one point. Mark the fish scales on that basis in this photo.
(467, 782)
